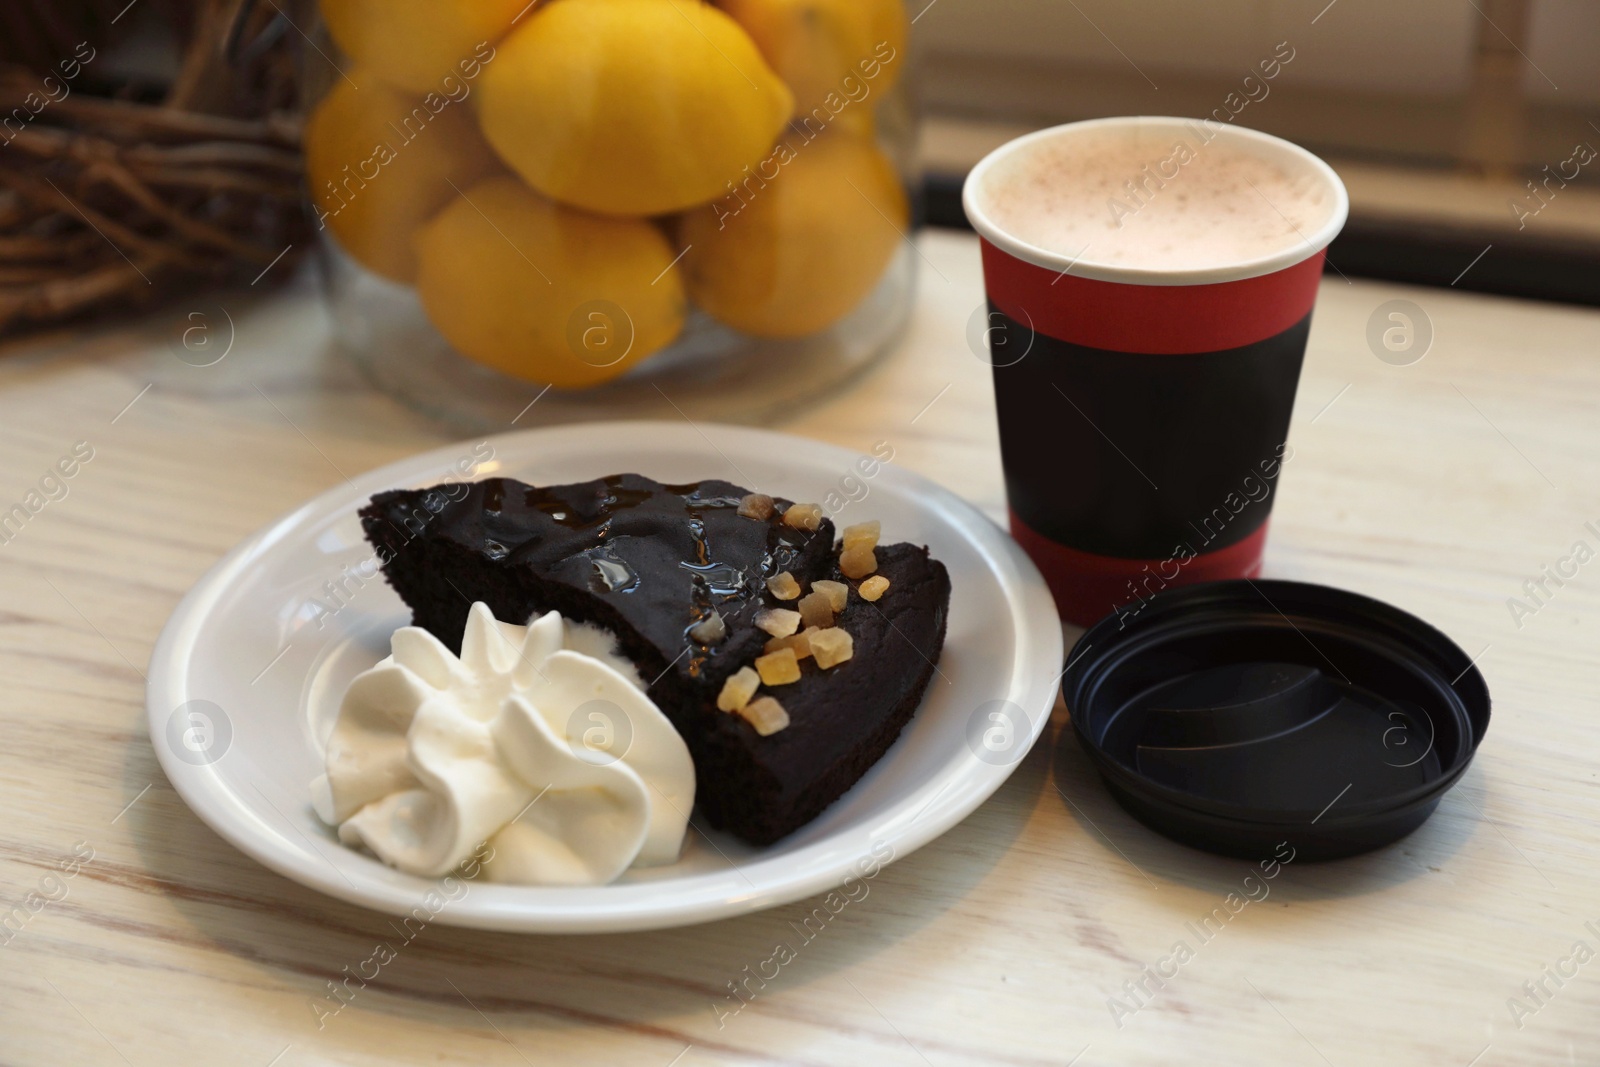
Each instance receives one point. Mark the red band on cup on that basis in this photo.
(1153, 319)
(1088, 587)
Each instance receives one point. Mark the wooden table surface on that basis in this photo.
(1443, 487)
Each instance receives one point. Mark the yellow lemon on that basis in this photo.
(631, 107)
(380, 164)
(802, 242)
(546, 293)
(837, 55)
(416, 44)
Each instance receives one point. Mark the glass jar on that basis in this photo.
(605, 208)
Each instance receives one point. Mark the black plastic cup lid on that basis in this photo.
(1233, 716)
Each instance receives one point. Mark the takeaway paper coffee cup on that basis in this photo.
(1150, 285)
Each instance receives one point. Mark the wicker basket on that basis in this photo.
(119, 188)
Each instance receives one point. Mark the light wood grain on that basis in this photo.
(1441, 487)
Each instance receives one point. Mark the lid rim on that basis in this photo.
(1193, 802)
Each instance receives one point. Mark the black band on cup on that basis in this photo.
(1133, 455)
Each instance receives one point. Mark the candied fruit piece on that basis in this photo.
(766, 715)
(738, 689)
(803, 516)
(783, 586)
(838, 593)
(874, 587)
(778, 668)
(858, 562)
(832, 647)
(863, 533)
(757, 506)
(816, 609)
(779, 622)
(709, 630)
(800, 642)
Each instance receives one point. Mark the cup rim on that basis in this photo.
(1313, 243)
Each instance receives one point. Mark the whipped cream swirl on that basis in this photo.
(538, 740)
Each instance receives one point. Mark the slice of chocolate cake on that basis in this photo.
(658, 566)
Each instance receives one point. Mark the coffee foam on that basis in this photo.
(1163, 198)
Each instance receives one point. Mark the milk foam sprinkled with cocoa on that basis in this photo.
(1154, 199)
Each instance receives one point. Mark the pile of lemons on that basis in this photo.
(561, 179)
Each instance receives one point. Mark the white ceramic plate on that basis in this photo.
(248, 673)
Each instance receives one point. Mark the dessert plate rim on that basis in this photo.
(918, 813)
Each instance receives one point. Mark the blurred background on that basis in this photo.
(1437, 113)
(1466, 130)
